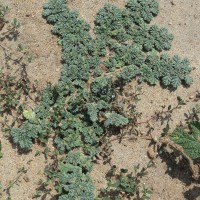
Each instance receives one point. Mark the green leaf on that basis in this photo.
(114, 119)
(190, 142)
(29, 115)
(92, 111)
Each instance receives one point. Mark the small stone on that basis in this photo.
(35, 68)
(151, 153)
(57, 70)
(170, 23)
(191, 97)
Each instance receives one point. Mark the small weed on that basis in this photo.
(15, 85)
(11, 31)
(193, 114)
(3, 11)
(166, 112)
(124, 185)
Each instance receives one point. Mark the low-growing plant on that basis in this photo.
(11, 31)
(187, 142)
(16, 89)
(14, 82)
(9, 96)
(3, 11)
(81, 108)
(124, 185)
(72, 177)
(193, 114)
(183, 141)
(15, 85)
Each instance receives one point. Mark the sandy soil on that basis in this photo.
(167, 181)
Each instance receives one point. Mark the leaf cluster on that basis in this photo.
(74, 181)
(188, 140)
(3, 11)
(80, 109)
(125, 185)
(135, 47)
(24, 136)
(12, 29)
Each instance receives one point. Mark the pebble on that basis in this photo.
(151, 153)
(170, 23)
(191, 97)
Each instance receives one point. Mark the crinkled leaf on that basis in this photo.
(190, 142)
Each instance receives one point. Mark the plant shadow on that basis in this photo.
(192, 194)
(177, 167)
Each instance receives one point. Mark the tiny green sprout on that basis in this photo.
(3, 11)
(29, 58)
(180, 101)
(37, 153)
(15, 23)
(60, 41)
(20, 47)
